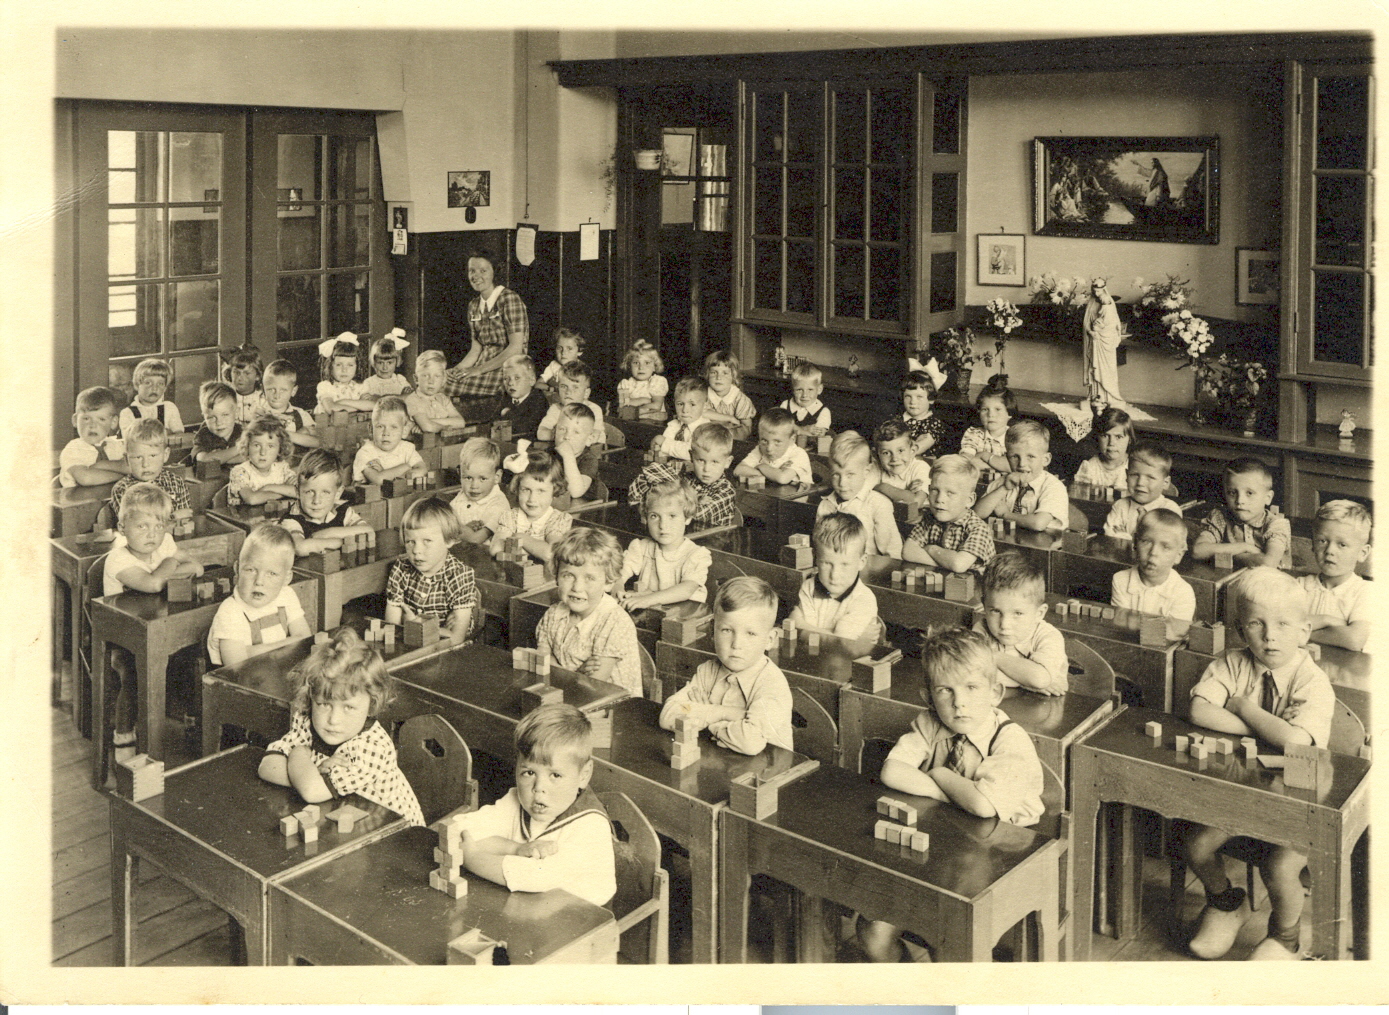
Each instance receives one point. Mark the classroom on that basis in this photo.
(689, 497)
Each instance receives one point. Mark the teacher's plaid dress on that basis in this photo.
(489, 329)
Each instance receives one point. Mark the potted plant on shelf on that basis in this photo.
(953, 352)
(1234, 385)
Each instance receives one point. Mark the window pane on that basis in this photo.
(766, 202)
(767, 126)
(1339, 306)
(892, 125)
(193, 307)
(299, 242)
(848, 204)
(297, 308)
(195, 165)
(942, 282)
(848, 282)
(349, 235)
(194, 238)
(766, 274)
(189, 373)
(1340, 220)
(850, 125)
(886, 205)
(347, 303)
(800, 278)
(801, 202)
(298, 164)
(803, 126)
(349, 165)
(120, 186)
(945, 202)
(142, 153)
(134, 243)
(884, 283)
(140, 309)
(1343, 118)
(945, 126)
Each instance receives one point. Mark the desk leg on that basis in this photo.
(81, 714)
(61, 638)
(122, 880)
(810, 926)
(1129, 868)
(1085, 802)
(734, 883)
(1330, 892)
(101, 733)
(704, 892)
(332, 600)
(211, 719)
(152, 666)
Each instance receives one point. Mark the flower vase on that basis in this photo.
(959, 381)
(1251, 422)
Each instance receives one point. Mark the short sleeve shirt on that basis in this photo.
(1224, 529)
(550, 526)
(978, 442)
(1173, 598)
(854, 614)
(1045, 493)
(121, 559)
(1124, 516)
(875, 511)
(795, 458)
(338, 391)
(816, 414)
(608, 631)
(1349, 600)
(969, 532)
(490, 512)
(78, 452)
(675, 439)
(436, 596)
(379, 387)
(245, 477)
(1045, 646)
(438, 407)
(1096, 473)
(735, 404)
(237, 621)
(403, 453)
(915, 471)
(657, 569)
(921, 427)
(761, 691)
(1304, 699)
(655, 387)
(205, 440)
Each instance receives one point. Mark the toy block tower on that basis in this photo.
(683, 750)
(959, 588)
(448, 877)
(798, 553)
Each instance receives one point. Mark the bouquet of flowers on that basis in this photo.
(1161, 298)
(1191, 335)
(1231, 381)
(1004, 315)
(953, 350)
(1061, 292)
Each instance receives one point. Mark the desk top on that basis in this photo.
(649, 619)
(837, 809)
(67, 496)
(204, 526)
(833, 661)
(388, 547)
(222, 803)
(626, 519)
(477, 557)
(1119, 552)
(1123, 738)
(382, 891)
(150, 606)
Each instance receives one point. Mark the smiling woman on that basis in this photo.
(498, 326)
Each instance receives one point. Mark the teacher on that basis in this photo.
(499, 328)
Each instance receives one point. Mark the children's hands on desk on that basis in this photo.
(537, 850)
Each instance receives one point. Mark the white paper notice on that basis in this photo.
(399, 241)
(588, 241)
(525, 244)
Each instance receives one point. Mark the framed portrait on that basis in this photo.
(470, 188)
(1163, 189)
(1256, 276)
(1001, 259)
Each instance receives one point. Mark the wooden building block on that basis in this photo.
(224, 586)
(1200, 751)
(310, 833)
(371, 493)
(1207, 639)
(320, 637)
(1107, 613)
(1152, 632)
(921, 842)
(799, 557)
(894, 834)
(1249, 749)
(601, 726)
(473, 949)
(880, 829)
(346, 818)
(885, 805)
(750, 796)
(1154, 730)
(312, 813)
(959, 588)
(289, 826)
(1224, 561)
(897, 577)
(179, 590)
(139, 778)
(875, 674)
(535, 695)
(388, 635)
(455, 886)
(520, 659)
(1061, 609)
(501, 431)
(822, 445)
(1181, 744)
(812, 642)
(684, 631)
(1224, 746)
(798, 539)
(419, 633)
(1305, 766)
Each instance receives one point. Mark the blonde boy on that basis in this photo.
(481, 505)
(1152, 586)
(777, 456)
(1149, 468)
(218, 438)
(950, 535)
(388, 455)
(1029, 496)
(812, 416)
(263, 610)
(279, 384)
(691, 400)
(146, 452)
(1030, 653)
(1246, 528)
(93, 457)
(151, 379)
(742, 698)
(574, 446)
(1271, 690)
(1338, 598)
(575, 385)
(850, 461)
(428, 406)
(834, 600)
(523, 404)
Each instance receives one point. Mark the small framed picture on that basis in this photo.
(1001, 259)
(1256, 276)
(400, 215)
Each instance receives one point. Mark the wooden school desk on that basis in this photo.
(75, 508)
(494, 591)
(528, 607)
(1091, 575)
(624, 519)
(213, 542)
(683, 804)
(914, 607)
(1038, 547)
(357, 574)
(979, 877)
(374, 906)
(152, 629)
(783, 508)
(1350, 674)
(1148, 667)
(757, 552)
(216, 829)
(1119, 764)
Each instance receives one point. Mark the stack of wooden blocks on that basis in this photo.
(401, 485)
(421, 633)
(303, 822)
(379, 631)
(684, 630)
(683, 750)
(139, 778)
(1076, 608)
(798, 553)
(1004, 528)
(448, 855)
(203, 590)
(519, 567)
(1206, 638)
(357, 548)
(904, 833)
(757, 481)
(181, 523)
(1091, 491)
(876, 674)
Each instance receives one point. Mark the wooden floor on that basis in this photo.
(176, 928)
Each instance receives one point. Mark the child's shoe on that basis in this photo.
(1218, 927)
(1279, 946)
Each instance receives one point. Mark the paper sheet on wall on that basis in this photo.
(400, 240)
(588, 241)
(525, 244)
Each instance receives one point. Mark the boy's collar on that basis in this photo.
(820, 592)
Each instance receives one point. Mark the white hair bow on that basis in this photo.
(397, 335)
(325, 348)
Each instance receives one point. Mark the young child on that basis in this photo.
(1114, 435)
(918, 394)
(429, 408)
(146, 452)
(1246, 527)
(426, 581)
(1271, 690)
(902, 476)
(480, 505)
(645, 386)
(575, 384)
(335, 746)
(320, 519)
(987, 441)
(525, 405)
(151, 380)
(144, 561)
(1028, 495)
(1151, 586)
(1031, 654)
(93, 457)
(668, 567)
(711, 453)
(263, 610)
(218, 439)
(950, 535)
(340, 388)
(569, 346)
(691, 401)
(265, 474)
(850, 460)
(586, 630)
(388, 455)
(550, 830)
(777, 456)
(834, 600)
(812, 416)
(535, 520)
(280, 384)
(385, 359)
(578, 454)
(1338, 598)
(964, 750)
(742, 698)
(243, 372)
(1149, 467)
(727, 403)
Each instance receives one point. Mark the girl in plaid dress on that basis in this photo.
(335, 746)
(500, 329)
(426, 581)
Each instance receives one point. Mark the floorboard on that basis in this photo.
(79, 929)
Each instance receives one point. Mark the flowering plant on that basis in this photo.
(1062, 292)
(1229, 379)
(1004, 314)
(1191, 335)
(953, 350)
(1161, 298)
